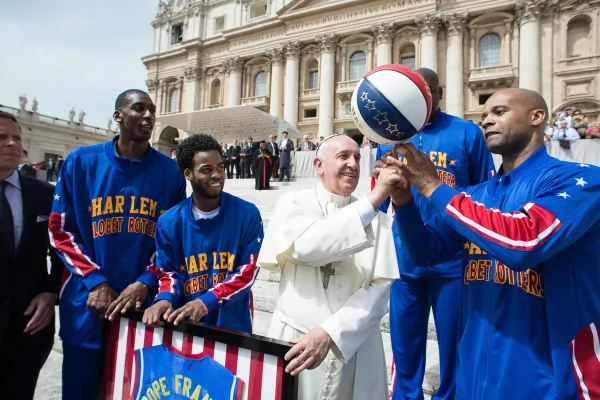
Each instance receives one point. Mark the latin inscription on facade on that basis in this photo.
(234, 45)
(358, 14)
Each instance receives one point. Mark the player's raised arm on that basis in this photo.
(566, 206)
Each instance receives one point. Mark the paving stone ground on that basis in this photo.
(49, 383)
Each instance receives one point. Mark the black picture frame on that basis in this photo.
(277, 348)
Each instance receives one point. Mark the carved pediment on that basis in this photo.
(301, 5)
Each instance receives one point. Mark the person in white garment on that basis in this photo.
(337, 261)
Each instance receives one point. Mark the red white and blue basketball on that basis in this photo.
(391, 104)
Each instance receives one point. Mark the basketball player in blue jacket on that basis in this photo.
(458, 150)
(530, 300)
(206, 246)
(107, 201)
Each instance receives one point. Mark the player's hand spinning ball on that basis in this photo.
(391, 104)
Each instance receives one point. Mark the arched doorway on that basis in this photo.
(590, 107)
(167, 139)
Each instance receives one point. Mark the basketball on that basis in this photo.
(391, 104)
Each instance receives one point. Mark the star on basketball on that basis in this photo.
(580, 181)
(564, 195)
(392, 128)
(370, 105)
(381, 117)
(364, 96)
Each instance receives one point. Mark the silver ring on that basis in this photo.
(395, 172)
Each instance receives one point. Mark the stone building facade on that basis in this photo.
(46, 137)
(300, 59)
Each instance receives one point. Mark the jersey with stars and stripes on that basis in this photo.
(213, 260)
(103, 224)
(458, 150)
(531, 284)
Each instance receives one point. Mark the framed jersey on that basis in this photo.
(191, 361)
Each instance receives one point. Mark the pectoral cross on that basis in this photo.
(327, 271)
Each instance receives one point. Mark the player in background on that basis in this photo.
(206, 247)
(107, 201)
(458, 150)
(530, 299)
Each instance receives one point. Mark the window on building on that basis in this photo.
(310, 113)
(176, 33)
(578, 37)
(174, 101)
(219, 23)
(408, 56)
(490, 50)
(348, 109)
(260, 84)
(313, 79)
(258, 10)
(215, 92)
(358, 65)
(313, 75)
(483, 98)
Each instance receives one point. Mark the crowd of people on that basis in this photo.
(506, 259)
(49, 168)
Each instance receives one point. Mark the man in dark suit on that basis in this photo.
(25, 167)
(234, 156)
(306, 145)
(254, 146)
(247, 152)
(50, 170)
(273, 149)
(59, 164)
(29, 293)
(286, 146)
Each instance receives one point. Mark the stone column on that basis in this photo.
(276, 57)
(234, 67)
(163, 94)
(455, 24)
(428, 25)
(292, 80)
(383, 33)
(192, 87)
(530, 53)
(328, 44)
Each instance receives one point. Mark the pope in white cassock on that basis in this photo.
(337, 259)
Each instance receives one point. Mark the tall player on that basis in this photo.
(108, 199)
(530, 300)
(206, 246)
(457, 148)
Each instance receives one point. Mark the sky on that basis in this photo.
(73, 53)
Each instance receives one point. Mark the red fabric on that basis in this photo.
(515, 230)
(585, 350)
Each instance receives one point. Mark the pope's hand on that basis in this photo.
(160, 309)
(401, 194)
(419, 169)
(388, 179)
(309, 351)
